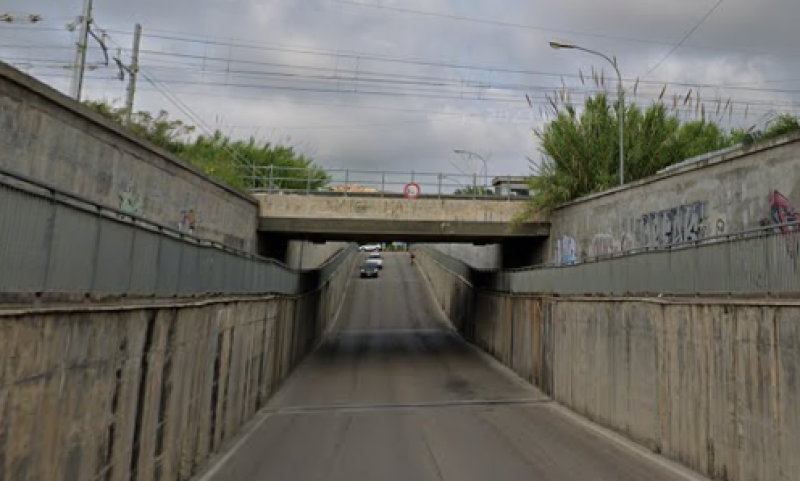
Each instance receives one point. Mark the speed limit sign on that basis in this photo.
(412, 191)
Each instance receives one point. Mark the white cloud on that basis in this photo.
(417, 129)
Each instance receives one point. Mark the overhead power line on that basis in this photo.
(541, 100)
(388, 59)
(557, 75)
(405, 92)
(685, 38)
(37, 28)
(384, 85)
(261, 46)
(487, 69)
(513, 25)
(495, 23)
(504, 116)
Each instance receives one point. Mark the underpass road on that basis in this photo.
(395, 394)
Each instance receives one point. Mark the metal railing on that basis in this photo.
(56, 243)
(346, 182)
(764, 261)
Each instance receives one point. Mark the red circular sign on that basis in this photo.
(412, 191)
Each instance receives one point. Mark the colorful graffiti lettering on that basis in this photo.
(566, 251)
(686, 223)
(782, 210)
(784, 215)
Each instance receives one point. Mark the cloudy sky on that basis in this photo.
(400, 84)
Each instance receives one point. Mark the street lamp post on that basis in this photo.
(482, 159)
(620, 100)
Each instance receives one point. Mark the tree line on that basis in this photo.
(580, 146)
(241, 164)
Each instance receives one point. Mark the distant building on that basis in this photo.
(356, 189)
(511, 186)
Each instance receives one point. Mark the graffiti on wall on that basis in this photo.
(566, 251)
(781, 209)
(604, 244)
(628, 242)
(188, 222)
(685, 223)
(783, 213)
(607, 244)
(130, 201)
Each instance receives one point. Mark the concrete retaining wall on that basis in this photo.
(712, 384)
(480, 257)
(308, 255)
(145, 393)
(723, 194)
(51, 138)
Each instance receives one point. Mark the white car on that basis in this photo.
(376, 258)
(370, 248)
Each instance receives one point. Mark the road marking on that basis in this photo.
(217, 464)
(360, 408)
(378, 331)
(629, 445)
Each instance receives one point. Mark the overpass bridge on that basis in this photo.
(322, 217)
(140, 345)
(372, 206)
(375, 217)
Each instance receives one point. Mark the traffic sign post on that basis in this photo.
(412, 191)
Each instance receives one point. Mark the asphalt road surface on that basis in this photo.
(395, 394)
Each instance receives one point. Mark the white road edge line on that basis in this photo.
(338, 313)
(222, 461)
(612, 436)
(217, 462)
(367, 408)
(627, 444)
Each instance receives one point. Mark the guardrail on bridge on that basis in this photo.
(345, 182)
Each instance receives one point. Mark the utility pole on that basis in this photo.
(83, 45)
(133, 71)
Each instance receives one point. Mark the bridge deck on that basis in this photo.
(395, 394)
(360, 218)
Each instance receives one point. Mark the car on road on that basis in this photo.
(370, 248)
(369, 269)
(376, 258)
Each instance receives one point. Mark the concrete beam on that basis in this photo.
(386, 230)
(357, 207)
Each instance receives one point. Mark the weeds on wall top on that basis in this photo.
(580, 142)
(217, 155)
